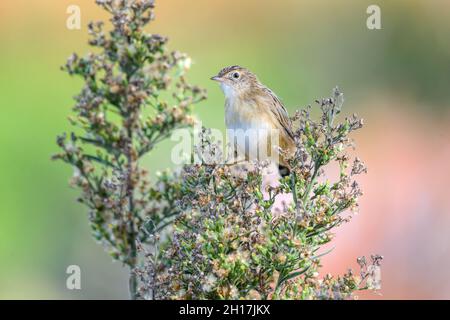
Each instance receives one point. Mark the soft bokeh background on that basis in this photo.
(396, 78)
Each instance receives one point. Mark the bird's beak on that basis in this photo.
(216, 78)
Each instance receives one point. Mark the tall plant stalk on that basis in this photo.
(134, 96)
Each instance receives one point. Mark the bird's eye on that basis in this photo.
(236, 75)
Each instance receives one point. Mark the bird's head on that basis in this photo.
(235, 80)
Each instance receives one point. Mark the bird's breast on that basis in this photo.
(250, 131)
(244, 116)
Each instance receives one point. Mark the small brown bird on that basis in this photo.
(253, 110)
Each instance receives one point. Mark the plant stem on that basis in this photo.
(132, 259)
(310, 185)
(294, 192)
(133, 280)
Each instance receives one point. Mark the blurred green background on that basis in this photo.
(397, 78)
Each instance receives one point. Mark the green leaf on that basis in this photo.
(292, 275)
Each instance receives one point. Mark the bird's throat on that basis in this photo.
(229, 92)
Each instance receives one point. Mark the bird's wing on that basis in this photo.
(279, 111)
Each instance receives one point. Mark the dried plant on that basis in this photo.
(231, 241)
(134, 96)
